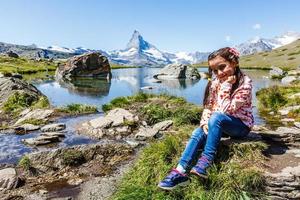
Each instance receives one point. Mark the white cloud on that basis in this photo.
(256, 26)
(228, 38)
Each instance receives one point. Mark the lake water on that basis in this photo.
(124, 82)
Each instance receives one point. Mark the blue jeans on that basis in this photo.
(218, 124)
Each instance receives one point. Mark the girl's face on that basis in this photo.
(222, 68)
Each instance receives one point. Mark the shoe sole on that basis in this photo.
(198, 174)
(178, 185)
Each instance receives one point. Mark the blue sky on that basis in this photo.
(171, 25)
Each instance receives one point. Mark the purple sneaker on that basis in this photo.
(200, 168)
(173, 180)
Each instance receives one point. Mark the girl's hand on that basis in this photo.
(231, 79)
(205, 129)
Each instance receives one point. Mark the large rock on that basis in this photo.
(104, 153)
(39, 114)
(288, 79)
(9, 86)
(178, 71)
(115, 123)
(86, 65)
(285, 184)
(8, 179)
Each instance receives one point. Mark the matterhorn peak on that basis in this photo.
(137, 41)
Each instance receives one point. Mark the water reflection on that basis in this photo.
(87, 86)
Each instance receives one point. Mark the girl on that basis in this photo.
(227, 110)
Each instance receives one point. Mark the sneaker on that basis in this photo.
(200, 168)
(173, 180)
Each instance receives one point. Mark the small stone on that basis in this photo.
(42, 192)
(75, 181)
(287, 120)
(145, 133)
(51, 134)
(161, 126)
(53, 127)
(26, 128)
(297, 124)
(8, 179)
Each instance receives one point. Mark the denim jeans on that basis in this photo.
(218, 124)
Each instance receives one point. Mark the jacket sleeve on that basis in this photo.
(211, 101)
(242, 96)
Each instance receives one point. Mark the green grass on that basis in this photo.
(116, 66)
(277, 97)
(36, 122)
(72, 158)
(24, 163)
(21, 100)
(75, 109)
(24, 65)
(157, 108)
(233, 176)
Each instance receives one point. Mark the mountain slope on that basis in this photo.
(287, 56)
(261, 44)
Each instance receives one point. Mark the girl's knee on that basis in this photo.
(198, 133)
(216, 117)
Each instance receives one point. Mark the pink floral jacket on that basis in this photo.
(239, 104)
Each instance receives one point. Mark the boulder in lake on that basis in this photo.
(178, 71)
(87, 65)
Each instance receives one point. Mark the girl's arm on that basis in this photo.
(242, 96)
(212, 97)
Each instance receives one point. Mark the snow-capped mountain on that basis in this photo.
(258, 44)
(78, 50)
(139, 52)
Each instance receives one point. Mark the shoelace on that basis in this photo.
(203, 162)
(173, 173)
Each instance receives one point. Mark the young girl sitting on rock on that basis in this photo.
(227, 111)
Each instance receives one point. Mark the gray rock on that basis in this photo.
(284, 184)
(12, 54)
(53, 134)
(286, 110)
(145, 133)
(53, 127)
(10, 86)
(295, 72)
(177, 71)
(40, 114)
(87, 65)
(297, 124)
(8, 179)
(161, 126)
(276, 71)
(26, 128)
(148, 88)
(41, 140)
(101, 122)
(119, 116)
(288, 79)
(46, 161)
